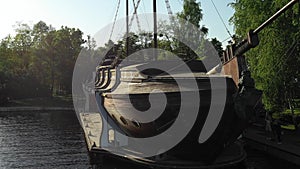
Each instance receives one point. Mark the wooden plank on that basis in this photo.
(92, 127)
(231, 68)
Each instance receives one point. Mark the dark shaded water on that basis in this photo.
(41, 140)
(55, 140)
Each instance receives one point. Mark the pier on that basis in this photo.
(289, 150)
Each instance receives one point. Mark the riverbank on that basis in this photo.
(39, 104)
(14, 109)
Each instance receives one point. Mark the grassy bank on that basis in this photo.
(56, 101)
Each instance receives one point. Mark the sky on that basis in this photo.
(90, 16)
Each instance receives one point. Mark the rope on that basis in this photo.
(137, 18)
(146, 16)
(221, 19)
(134, 13)
(115, 19)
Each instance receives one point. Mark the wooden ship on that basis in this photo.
(241, 98)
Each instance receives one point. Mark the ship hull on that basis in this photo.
(125, 106)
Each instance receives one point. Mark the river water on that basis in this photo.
(41, 140)
(55, 140)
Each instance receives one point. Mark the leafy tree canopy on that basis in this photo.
(274, 63)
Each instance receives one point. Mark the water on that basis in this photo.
(55, 140)
(41, 140)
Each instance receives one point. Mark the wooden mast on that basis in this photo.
(127, 28)
(155, 28)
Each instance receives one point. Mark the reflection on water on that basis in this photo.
(41, 140)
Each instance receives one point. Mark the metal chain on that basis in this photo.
(168, 7)
(169, 10)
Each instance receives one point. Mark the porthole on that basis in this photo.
(123, 120)
(136, 123)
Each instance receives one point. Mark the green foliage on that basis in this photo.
(190, 33)
(191, 12)
(38, 61)
(174, 36)
(274, 63)
(218, 46)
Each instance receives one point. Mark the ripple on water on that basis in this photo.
(41, 140)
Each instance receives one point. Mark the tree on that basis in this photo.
(5, 68)
(39, 31)
(42, 52)
(46, 61)
(22, 46)
(272, 63)
(218, 46)
(68, 44)
(91, 43)
(39, 60)
(191, 14)
(6, 55)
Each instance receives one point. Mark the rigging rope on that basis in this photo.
(115, 19)
(134, 14)
(145, 16)
(221, 19)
